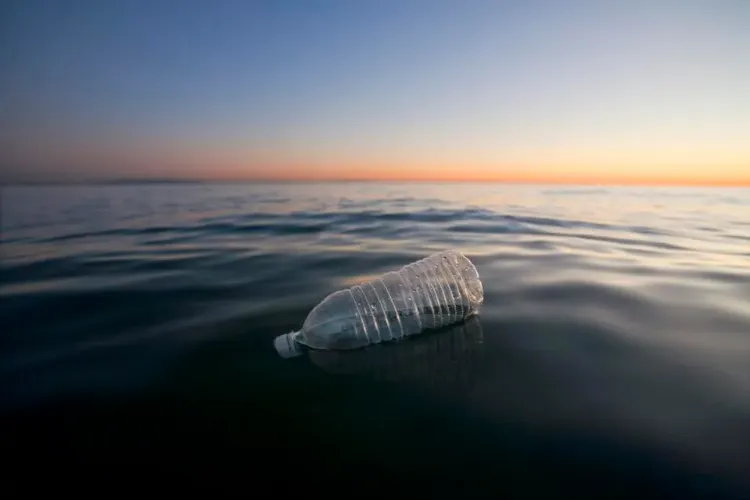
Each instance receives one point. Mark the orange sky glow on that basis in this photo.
(585, 92)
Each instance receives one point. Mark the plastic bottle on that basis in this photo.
(437, 291)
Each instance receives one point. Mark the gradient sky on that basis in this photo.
(589, 91)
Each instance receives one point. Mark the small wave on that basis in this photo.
(663, 245)
(468, 220)
(496, 228)
(108, 233)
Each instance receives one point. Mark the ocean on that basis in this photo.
(611, 356)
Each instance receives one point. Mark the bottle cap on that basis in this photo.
(286, 346)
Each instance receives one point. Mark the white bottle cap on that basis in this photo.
(286, 346)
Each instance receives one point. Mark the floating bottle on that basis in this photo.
(431, 293)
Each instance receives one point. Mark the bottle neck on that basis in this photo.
(287, 346)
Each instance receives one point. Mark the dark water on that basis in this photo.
(611, 357)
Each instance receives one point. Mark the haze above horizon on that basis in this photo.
(577, 92)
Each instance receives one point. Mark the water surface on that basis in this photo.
(612, 353)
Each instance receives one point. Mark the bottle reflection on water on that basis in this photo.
(444, 361)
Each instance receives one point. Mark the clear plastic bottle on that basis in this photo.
(437, 291)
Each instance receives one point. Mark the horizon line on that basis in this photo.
(189, 180)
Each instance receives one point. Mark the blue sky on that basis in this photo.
(424, 89)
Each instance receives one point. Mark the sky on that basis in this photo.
(539, 91)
